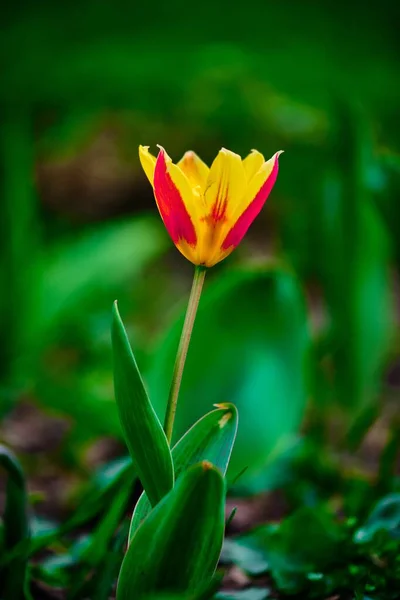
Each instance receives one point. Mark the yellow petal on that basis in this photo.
(195, 169)
(226, 185)
(253, 163)
(148, 162)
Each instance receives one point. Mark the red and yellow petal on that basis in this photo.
(195, 170)
(177, 205)
(258, 191)
(225, 187)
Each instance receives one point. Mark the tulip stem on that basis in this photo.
(194, 299)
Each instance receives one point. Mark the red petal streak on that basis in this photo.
(219, 208)
(239, 230)
(171, 206)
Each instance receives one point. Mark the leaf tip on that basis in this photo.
(207, 466)
(229, 414)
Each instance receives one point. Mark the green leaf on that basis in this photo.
(101, 551)
(144, 434)
(15, 528)
(107, 574)
(385, 516)
(306, 542)
(177, 547)
(249, 344)
(105, 486)
(354, 266)
(101, 538)
(211, 439)
(250, 559)
(253, 593)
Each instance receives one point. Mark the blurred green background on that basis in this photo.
(299, 327)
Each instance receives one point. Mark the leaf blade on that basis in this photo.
(178, 546)
(144, 435)
(211, 438)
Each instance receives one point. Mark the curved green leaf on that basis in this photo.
(144, 435)
(249, 344)
(385, 516)
(15, 529)
(211, 439)
(178, 546)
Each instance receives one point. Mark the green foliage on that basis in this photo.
(258, 593)
(144, 434)
(385, 517)
(88, 567)
(113, 254)
(353, 266)
(15, 527)
(211, 438)
(74, 109)
(178, 545)
(314, 553)
(249, 345)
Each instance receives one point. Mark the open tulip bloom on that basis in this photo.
(208, 210)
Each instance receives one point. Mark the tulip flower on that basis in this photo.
(208, 210)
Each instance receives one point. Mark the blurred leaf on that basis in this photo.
(108, 571)
(253, 593)
(365, 419)
(211, 438)
(109, 255)
(102, 535)
(305, 542)
(144, 435)
(249, 559)
(205, 592)
(107, 474)
(99, 546)
(56, 569)
(177, 547)
(103, 488)
(314, 552)
(388, 460)
(353, 266)
(385, 516)
(19, 236)
(249, 345)
(94, 553)
(15, 526)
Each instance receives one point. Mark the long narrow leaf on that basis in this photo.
(211, 439)
(144, 434)
(178, 546)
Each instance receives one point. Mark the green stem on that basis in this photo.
(195, 293)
